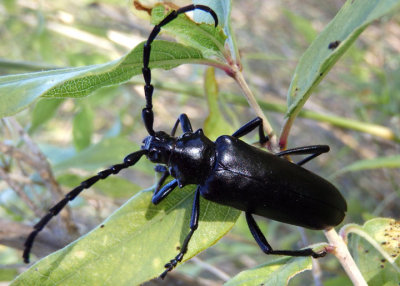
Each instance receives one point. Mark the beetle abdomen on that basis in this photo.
(250, 179)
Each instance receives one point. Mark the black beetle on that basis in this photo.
(228, 172)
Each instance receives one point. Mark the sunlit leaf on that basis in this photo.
(215, 124)
(19, 91)
(107, 152)
(43, 111)
(330, 45)
(370, 164)
(133, 244)
(223, 10)
(207, 38)
(83, 127)
(114, 187)
(375, 247)
(302, 25)
(277, 272)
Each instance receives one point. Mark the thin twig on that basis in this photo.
(39, 162)
(216, 271)
(320, 116)
(343, 255)
(19, 190)
(18, 154)
(238, 76)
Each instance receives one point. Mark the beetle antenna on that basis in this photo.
(129, 160)
(147, 112)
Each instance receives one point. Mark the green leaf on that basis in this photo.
(134, 243)
(7, 65)
(375, 247)
(107, 152)
(223, 10)
(205, 37)
(7, 274)
(274, 273)
(117, 187)
(370, 164)
(19, 91)
(303, 26)
(43, 111)
(320, 57)
(215, 124)
(83, 127)
(114, 187)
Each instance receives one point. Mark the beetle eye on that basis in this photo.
(153, 154)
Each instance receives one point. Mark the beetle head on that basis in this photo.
(159, 147)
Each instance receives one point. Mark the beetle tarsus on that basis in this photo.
(171, 265)
(318, 254)
(266, 247)
(194, 222)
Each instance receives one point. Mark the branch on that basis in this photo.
(238, 76)
(37, 160)
(343, 255)
(20, 192)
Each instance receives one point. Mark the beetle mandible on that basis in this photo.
(227, 171)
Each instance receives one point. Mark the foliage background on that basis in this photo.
(271, 35)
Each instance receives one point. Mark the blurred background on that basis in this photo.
(81, 136)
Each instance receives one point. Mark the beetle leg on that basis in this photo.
(266, 247)
(250, 126)
(164, 192)
(194, 222)
(183, 119)
(164, 175)
(314, 150)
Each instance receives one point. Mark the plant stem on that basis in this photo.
(342, 122)
(238, 76)
(343, 255)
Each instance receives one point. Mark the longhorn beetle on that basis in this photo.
(227, 171)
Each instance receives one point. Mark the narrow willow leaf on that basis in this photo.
(274, 273)
(215, 124)
(370, 164)
(7, 65)
(376, 250)
(219, 7)
(19, 91)
(83, 127)
(107, 152)
(331, 44)
(205, 37)
(303, 26)
(43, 111)
(134, 243)
(223, 10)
